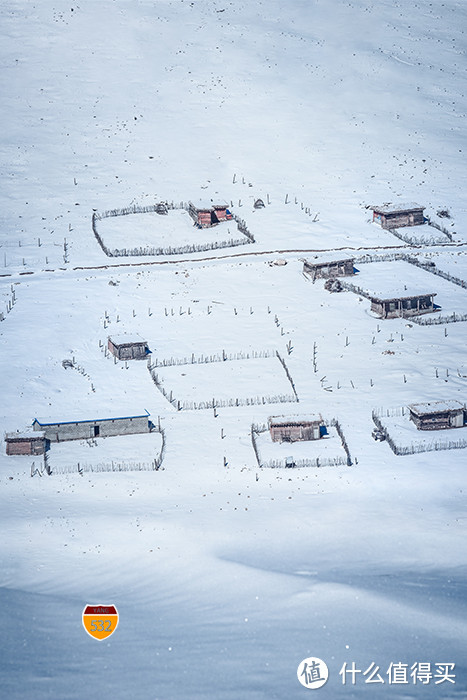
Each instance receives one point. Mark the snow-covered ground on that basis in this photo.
(226, 575)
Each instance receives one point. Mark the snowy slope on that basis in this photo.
(226, 576)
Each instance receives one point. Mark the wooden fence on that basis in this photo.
(415, 447)
(258, 429)
(214, 403)
(246, 238)
(110, 466)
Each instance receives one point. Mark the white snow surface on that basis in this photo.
(226, 575)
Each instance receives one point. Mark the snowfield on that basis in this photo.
(226, 575)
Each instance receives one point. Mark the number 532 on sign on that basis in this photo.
(100, 621)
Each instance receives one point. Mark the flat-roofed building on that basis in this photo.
(438, 415)
(295, 428)
(128, 347)
(79, 428)
(399, 215)
(28, 442)
(403, 306)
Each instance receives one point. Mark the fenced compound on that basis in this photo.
(427, 266)
(416, 446)
(112, 465)
(319, 461)
(245, 239)
(221, 402)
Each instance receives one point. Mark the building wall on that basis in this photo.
(59, 432)
(136, 351)
(25, 447)
(344, 269)
(279, 433)
(402, 219)
(457, 419)
(402, 307)
(439, 421)
(221, 214)
(204, 218)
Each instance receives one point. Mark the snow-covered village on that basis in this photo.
(233, 313)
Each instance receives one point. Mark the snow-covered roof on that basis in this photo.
(126, 339)
(436, 407)
(397, 208)
(296, 419)
(408, 293)
(80, 418)
(331, 257)
(26, 434)
(209, 203)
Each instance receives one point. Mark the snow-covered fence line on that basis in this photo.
(229, 403)
(355, 289)
(206, 359)
(255, 430)
(158, 460)
(429, 266)
(286, 369)
(299, 463)
(96, 217)
(417, 448)
(398, 411)
(443, 229)
(10, 302)
(47, 466)
(335, 423)
(241, 225)
(378, 257)
(179, 250)
(156, 379)
(113, 466)
(438, 320)
(417, 240)
(137, 209)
